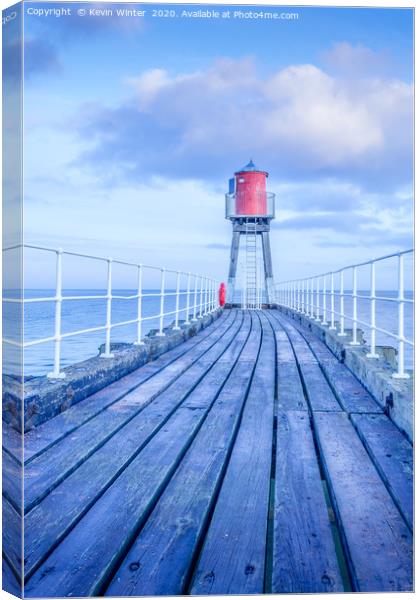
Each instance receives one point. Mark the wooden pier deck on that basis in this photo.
(246, 460)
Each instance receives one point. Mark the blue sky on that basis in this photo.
(134, 125)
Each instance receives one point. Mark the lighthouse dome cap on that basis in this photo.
(251, 166)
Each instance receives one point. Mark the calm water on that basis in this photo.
(83, 314)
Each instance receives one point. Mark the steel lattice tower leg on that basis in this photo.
(240, 228)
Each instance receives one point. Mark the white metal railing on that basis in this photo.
(316, 298)
(200, 294)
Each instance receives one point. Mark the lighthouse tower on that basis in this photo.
(250, 208)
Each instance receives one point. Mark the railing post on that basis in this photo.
(354, 341)
(401, 374)
(372, 353)
(200, 314)
(178, 278)
(332, 298)
(317, 300)
(209, 297)
(56, 373)
(107, 353)
(194, 317)
(187, 309)
(206, 296)
(294, 295)
(300, 296)
(312, 297)
(215, 295)
(139, 342)
(324, 302)
(162, 302)
(342, 332)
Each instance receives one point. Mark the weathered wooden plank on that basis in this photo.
(352, 395)
(350, 392)
(49, 433)
(303, 353)
(304, 557)
(392, 455)
(377, 541)
(232, 560)
(166, 546)
(12, 481)
(12, 534)
(10, 583)
(48, 470)
(84, 560)
(318, 347)
(51, 520)
(12, 442)
(319, 393)
(289, 386)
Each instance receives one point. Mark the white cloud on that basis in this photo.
(296, 122)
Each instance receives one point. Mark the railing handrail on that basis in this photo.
(206, 304)
(299, 295)
(362, 264)
(244, 192)
(95, 257)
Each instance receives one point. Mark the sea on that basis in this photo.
(88, 313)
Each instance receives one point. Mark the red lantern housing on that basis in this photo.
(251, 191)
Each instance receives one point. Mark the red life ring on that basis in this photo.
(222, 294)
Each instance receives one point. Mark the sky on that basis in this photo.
(133, 126)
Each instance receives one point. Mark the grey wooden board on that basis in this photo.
(140, 486)
(166, 546)
(12, 535)
(49, 433)
(304, 557)
(47, 471)
(352, 395)
(290, 391)
(392, 455)
(318, 347)
(319, 393)
(289, 386)
(232, 560)
(304, 355)
(51, 520)
(12, 441)
(377, 541)
(12, 480)
(10, 583)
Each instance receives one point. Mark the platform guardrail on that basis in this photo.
(237, 204)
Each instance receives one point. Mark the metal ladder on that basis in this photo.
(251, 284)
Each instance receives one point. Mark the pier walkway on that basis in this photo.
(246, 460)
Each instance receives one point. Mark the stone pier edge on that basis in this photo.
(42, 398)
